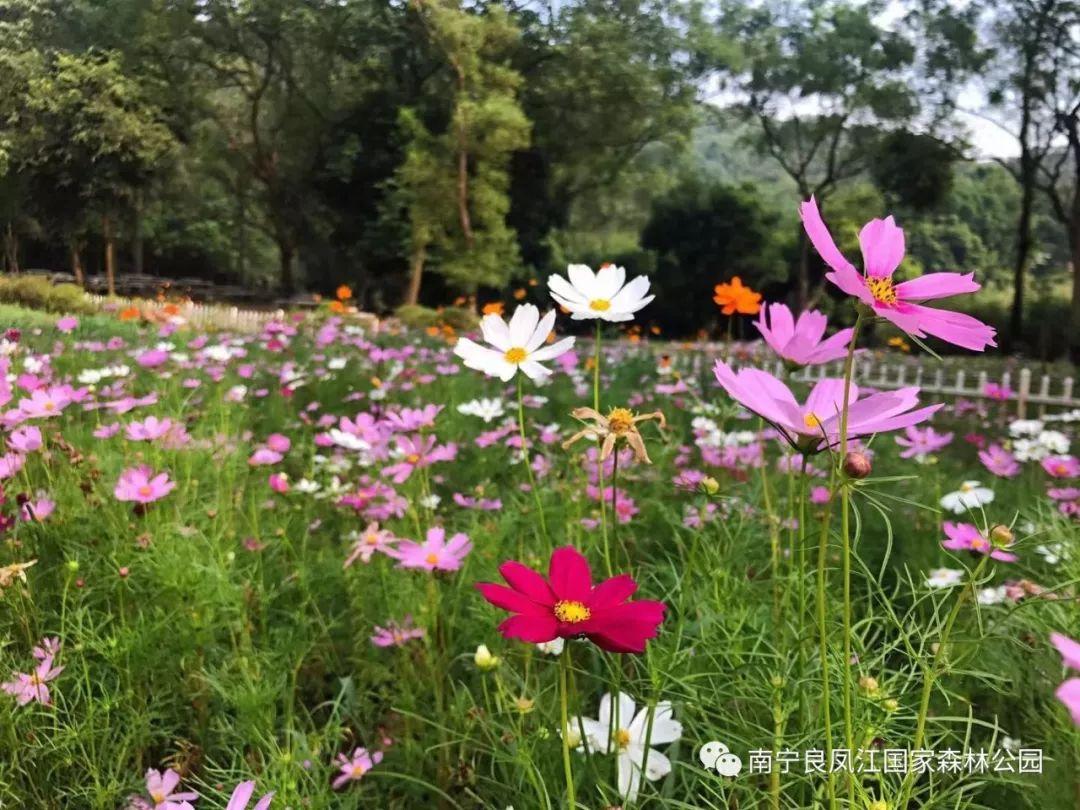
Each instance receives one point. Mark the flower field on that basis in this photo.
(367, 567)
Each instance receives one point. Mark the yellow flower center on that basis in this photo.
(622, 738)
(35, 679)
(412, 458)
(980, 543)
(158, 797)
(431, 559)
(516, 355)
(966, 487)
(50, 405)
(571, 612)
(620, 420)
(371, 539)
(812, 421)
(600, 305)
(882, 289)
(145, 491)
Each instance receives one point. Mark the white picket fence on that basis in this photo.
(1024, 390)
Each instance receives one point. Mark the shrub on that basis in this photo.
(416, 316)
(37, 292)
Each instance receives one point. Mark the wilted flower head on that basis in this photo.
(620, 423)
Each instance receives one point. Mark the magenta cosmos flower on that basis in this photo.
(918, 442)
(32, 687)
(139, 484)
(369, 541)
(999, 461)
(567, 605)
(354, 767)
(965, 537)
(816, 424)
(241, 795)
(1061, 466)
(800, 340)
(1069, 691)
(882, 245)
(436, 553)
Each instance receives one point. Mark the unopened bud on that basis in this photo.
(890, 705)
(868, 684)
(710, 485)
(880, 804)
(484, 659)
(1001, 536)
(857, 465)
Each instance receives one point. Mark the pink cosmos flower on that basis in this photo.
(279, 482)
(1061, 466)
(354, 767)
(1069, 649)
(38, 509)
(567, 605)
(241, 795)
(820, 496)
(10, 464)
(278, 443)
(107, 431)
(45, 403)
(882, 245)
(25, 439)
(1069, 691)
(408, 420)
(997, 391)
(999, 461)
(481, 504)
(965, 537)
(416, 452)
(396, 635)
(435, 553)
(816, 424)
(369, 541)
(67, 324)
(264, 456)
(48, 647)
(31, 687)
(922, 442)
(800, 341)
(148, 430)
(152, 358)
(161, 787)
(141, 485)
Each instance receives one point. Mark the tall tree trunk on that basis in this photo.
(110, 253)
(76, 262)
(287, 253)
(11, 249)
(416, 273)
(138, 247)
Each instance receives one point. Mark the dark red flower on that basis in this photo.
(567, 605)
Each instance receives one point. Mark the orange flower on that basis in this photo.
(337, 307)
(494, 308)
(129, 314)
(344, 292)
(433, 331)
(734, 297)
(519, 294)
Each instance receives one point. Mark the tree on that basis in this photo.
(455, 182)
(822, 81)
(93, 142)
(702, 233)
(1030, 39)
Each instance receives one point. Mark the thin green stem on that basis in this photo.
(528, 462)
(568, 772)
(845, 532)
(932, 671)
(823, 639)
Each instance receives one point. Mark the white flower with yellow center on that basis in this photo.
(625, 735)
(971, 495)
(520, 344)
(603, 295)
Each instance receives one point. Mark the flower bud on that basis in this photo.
(484, 659)
(1001, 536)
(890, 705)
(880, 804)
(868, 684)
(710, 485)
(857, 465)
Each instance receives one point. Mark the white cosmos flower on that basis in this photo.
(992, 595)
(971, 495)
(486, 409)
(1055, 441)
(517, 345)
(589, 295)
(629, 740)
(944, 577)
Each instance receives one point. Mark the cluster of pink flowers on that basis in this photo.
(32, 687)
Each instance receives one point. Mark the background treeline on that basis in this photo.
(424, 150)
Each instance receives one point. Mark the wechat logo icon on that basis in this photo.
(716, 756)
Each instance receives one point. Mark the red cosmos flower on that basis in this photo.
(566, 605)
